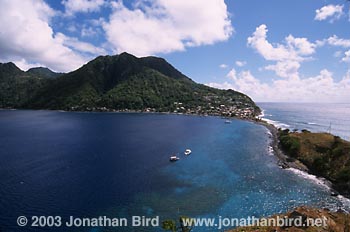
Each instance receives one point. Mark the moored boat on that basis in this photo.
(187, 152)
(174, 158)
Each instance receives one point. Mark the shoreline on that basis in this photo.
(247, 118)
(286, 162)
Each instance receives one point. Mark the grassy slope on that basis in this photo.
(324, 154)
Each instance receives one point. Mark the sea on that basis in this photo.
(88, 165)
(316, 117)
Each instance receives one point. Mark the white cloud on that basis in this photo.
(80, 46)
(335, 41)
(286, 69)
(338, 42)
(25, 65)
(232, 74)
(88, 32)
(337, 54)
(223, 66)
(346, 58)
(330, 11)
(312, 89)
(224, 85)
(164, 26)
(287, 56)
(300, 46)
(96, 22)
(72, 28)
(74, 6)
(263, 47)
(27, 38)
(295, 48)
(241, 63)
(92, 28)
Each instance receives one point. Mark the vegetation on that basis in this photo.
(335, 222)
(291, 145)
(170, 225)
(121, 83)
(324, 154)
(17, 86)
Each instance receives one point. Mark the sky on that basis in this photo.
(271, 50)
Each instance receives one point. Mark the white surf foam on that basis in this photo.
(262, 113)
(270, 150)
(345, 202)
(319, 181)
(277, 123)
(269, 132)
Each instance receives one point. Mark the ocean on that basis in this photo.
(316, 117)
(117, 165)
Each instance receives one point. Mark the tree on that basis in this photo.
(186, 224)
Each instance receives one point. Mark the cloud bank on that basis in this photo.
(164, 26)
(288, 57)
(28, 39)
(146, 28)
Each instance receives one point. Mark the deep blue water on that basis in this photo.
(316, 117)
(117, 165)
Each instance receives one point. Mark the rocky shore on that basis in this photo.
(331, 222)
(321, 154)
(283, 160)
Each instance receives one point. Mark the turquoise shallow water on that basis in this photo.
(92, 164)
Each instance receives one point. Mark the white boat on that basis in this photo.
(187, 151)
(174, 158)
(228, 122)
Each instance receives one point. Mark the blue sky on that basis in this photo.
(271, 50)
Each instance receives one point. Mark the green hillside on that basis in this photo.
(17, 86)
(125, 82)
(324, 154)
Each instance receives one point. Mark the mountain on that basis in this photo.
(43, 72)
(125, 82)
(17, 86)
(8, 70)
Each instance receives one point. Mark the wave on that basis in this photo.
(262, 114)
(277, 123)
(319, 181)
(270, 150)
(308, 123)
(345, 202)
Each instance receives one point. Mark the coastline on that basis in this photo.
(286, 162)
(283, 160)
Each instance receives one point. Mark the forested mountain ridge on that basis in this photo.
(120, 83)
